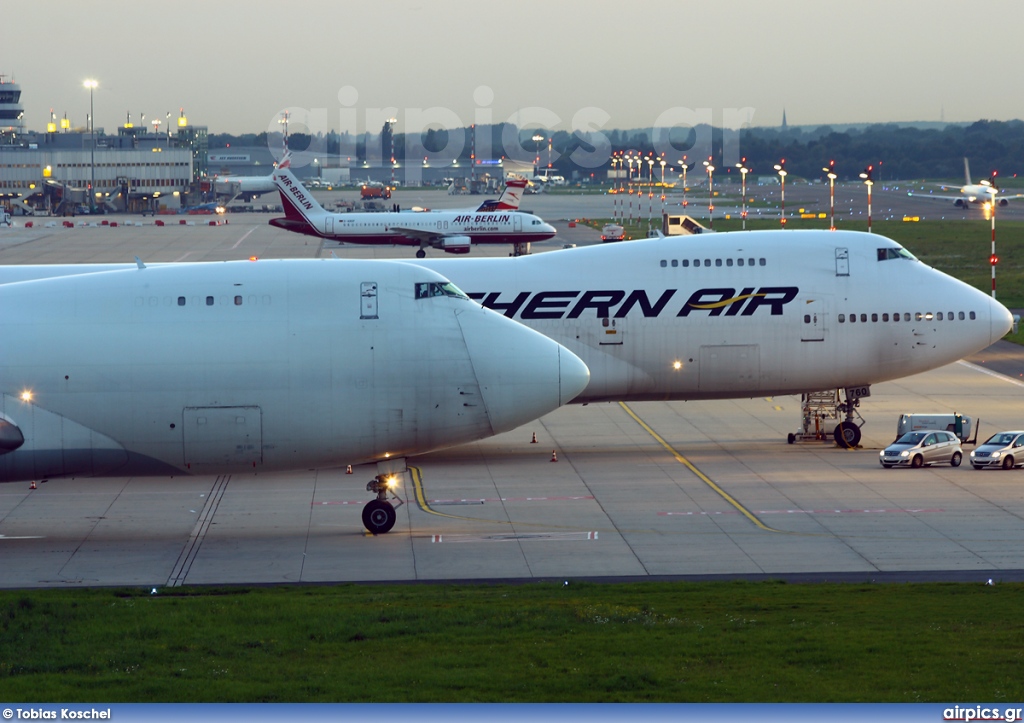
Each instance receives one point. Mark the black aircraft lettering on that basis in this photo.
(540, 300)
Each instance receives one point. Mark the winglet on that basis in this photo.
(138, 262)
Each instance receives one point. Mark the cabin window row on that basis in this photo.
(906, 316)
(697, 263)
(236, 300)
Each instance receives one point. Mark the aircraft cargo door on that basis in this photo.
(223, 437)
(730, 368)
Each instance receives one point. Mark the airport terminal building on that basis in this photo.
(67, 171)
(51, 172)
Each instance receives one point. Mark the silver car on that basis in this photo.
(916, 449)
(1005, 449)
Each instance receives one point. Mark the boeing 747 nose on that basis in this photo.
(522, 373)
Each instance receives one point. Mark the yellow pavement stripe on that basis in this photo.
(703, 477)
(421, 500)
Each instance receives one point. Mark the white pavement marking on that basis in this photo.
(519, 537)
(244, 237)
(996, 375)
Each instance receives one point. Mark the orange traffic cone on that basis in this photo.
(33, 485)
(554, 456)
(348, 470)
(534, 440)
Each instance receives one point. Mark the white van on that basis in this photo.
(958, 424)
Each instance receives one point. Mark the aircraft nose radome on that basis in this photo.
(1002, 320)
(522, 374)
(573, 374)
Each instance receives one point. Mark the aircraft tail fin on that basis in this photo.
(300, 208)
(967, 172)
(509, 198)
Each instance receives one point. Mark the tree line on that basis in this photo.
(895, 151)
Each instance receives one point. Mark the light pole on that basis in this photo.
(391, 136)
(91, 85)
(537, 138)
(662, 162)
(743, 185)
(781, 168)
(831, 171)
(866, 175)
(629, 160)
(283, 120)
(650, 192)
(993, 259)
(711, 193)
(685, 202)
(616, 158)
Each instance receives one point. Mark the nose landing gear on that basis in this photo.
(820, 406)
(847, 432)
(379, 515)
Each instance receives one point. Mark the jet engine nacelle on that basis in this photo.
(456, 244)
(1004, 202)
(959, 203)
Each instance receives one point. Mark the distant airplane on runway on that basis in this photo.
(985, 192)
(244, 367)
(453, 232)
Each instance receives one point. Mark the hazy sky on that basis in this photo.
(600, 64)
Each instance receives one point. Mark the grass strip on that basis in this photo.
(542, 642)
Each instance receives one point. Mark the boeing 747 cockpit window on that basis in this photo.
(895, 253)
(427, 289)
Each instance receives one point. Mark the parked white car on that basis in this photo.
(916, 449)
(1004, 449)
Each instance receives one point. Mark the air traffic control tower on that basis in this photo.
(11, 111)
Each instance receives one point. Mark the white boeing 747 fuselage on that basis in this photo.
(239, 366)
(738, 314)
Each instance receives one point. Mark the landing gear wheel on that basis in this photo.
(790, 438)
(847, 434)
(421, 254)
(379, 517)
(955, 461)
